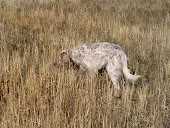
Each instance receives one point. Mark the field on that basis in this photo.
(36, 94)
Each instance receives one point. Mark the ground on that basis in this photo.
(35, 93)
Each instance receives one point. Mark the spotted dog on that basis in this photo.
(95, 56)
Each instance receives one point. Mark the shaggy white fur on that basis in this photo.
(95, 56)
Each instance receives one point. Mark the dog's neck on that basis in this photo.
(68, 53)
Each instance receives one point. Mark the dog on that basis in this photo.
(95, 56)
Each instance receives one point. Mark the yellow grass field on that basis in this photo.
(36, 94)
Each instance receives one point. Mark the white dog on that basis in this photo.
(95, 56)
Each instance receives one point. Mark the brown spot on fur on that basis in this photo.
(82, 49)
(65, 58)
(118, 47)
(62, 59)
(89, 46)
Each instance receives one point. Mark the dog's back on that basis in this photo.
(95, 56)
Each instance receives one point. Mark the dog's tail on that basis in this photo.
(126, 71)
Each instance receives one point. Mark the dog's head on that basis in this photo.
(62, 59)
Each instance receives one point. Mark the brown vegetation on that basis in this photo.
(34, 93)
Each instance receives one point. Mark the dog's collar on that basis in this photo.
(68, 53)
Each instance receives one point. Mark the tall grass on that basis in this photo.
(34, 93)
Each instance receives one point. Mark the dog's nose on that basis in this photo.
(55, 64)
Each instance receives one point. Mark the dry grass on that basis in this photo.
(35, 94)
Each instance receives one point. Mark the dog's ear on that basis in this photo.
(62, 59)
(65, 57)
